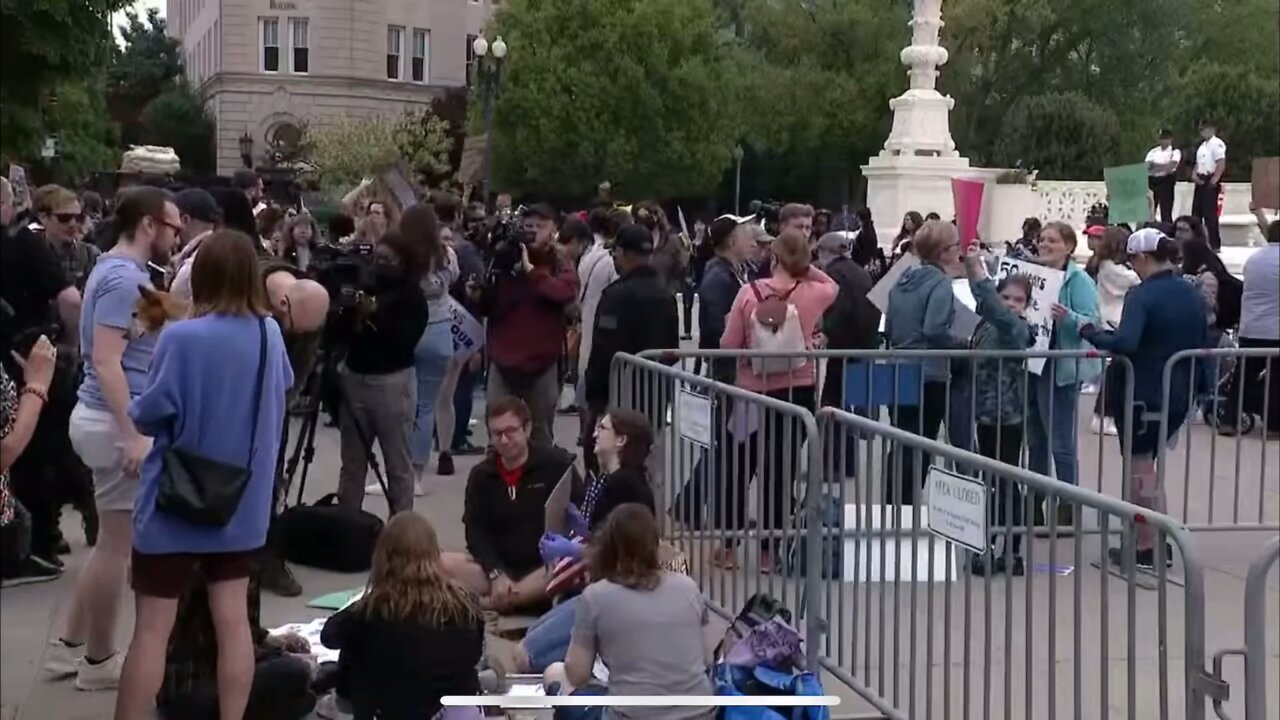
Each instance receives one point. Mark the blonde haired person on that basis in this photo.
(414, 636)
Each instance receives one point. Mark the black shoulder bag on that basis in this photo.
(204, 491)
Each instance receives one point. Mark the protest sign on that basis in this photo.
(1046, 284)
(1266, 183)
(1127, 194)
(967, 197)
(468, 333)
(879, 295)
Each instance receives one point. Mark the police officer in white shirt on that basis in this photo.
(1211, 162)
(1162, 172)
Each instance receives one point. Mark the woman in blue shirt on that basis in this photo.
(1162, 316)
(216, 389)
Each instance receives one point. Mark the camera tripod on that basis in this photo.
(322, 377)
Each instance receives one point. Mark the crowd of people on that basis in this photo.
(160, 347)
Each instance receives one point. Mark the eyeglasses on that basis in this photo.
(504, 433)
(172, 226)
(68, 218)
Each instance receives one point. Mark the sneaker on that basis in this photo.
(1018, 567)
(102, 676)
(1095, 425)
(32, 570)
(1109, 427)
(62, 547)
(987, 564)
(60, 659)
(331, 707)
(277, 579)
(444, 465)
(376, 488)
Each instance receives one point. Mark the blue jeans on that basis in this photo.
(1051, 426)
(547, 640)
(464, 400)
(430, 361)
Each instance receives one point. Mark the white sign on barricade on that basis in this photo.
(1046, 284)
(693, 417)
(468, 333)
(957, 508)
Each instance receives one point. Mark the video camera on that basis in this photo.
(346, 273)
(768, 210)
(506, 243)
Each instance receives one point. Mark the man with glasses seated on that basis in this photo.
(504, 514)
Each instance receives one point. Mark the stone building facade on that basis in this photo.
(268, 67)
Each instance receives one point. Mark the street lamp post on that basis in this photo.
(488, 69)
(246, 150)
(737, 180)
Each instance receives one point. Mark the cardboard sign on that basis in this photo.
(1266, 183)
(1046, 284)
(1127, 189)
(967, 196)
(879, 295)
(468, 333)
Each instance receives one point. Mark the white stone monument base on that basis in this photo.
(897, 184)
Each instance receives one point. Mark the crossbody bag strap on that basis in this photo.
(257, 389)
(583, 296)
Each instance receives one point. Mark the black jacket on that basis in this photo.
(383, 342)
(716, 293)
(624, 485)
(399, 669)
(852, 322)
(636, 313)
(503, 531)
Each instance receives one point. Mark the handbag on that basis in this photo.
(329, 536)
(204, 491)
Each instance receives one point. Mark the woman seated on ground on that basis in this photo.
(647, 625)
(413, 637)
(623, 440)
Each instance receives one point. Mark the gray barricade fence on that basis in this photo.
(1257, 683)
(1056, 426)
(889, 607)
(1220, 466)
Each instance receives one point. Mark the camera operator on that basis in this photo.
(378, 379)
(529, 291)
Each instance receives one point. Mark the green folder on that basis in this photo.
(334, 600)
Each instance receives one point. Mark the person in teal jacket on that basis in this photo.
(1055, 399)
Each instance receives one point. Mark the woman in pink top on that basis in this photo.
(811, 292)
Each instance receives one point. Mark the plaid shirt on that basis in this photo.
(8, 415)
(78, 258)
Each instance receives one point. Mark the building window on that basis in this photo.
(471, 59)
(301, 50)
(395, 45)
(420, 70)
(270, 44)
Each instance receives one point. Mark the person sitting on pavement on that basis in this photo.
(504, 513)
(646, 625)
(623, 439)
(415, 635)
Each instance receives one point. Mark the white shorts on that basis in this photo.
(100, 445)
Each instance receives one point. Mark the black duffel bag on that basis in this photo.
(329, 536)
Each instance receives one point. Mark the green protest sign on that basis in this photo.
(1127, 194)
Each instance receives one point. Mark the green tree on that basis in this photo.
(1065, 136)
(1245, 106)
(638, 92)
(147, 64)
(178, 118)
(353, 148)
(87, 138)
(44, 43)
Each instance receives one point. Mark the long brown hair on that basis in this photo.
(291, 226)
(420, 226)
(625, 549)
(225, 278)
(408, 580)
(633, 426)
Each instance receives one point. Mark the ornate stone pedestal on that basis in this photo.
(914, 170)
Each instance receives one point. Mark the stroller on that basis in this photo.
(1215, 397)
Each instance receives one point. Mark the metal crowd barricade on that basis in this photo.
(880, 382)
(908, 622)
(712, 439)
(1230, 484)
(1255, 638)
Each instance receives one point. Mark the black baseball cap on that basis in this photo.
(634, 238)
(541, 210)
(198, 205)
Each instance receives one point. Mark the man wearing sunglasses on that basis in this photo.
(61, 214)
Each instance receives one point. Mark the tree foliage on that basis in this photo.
(178, 118)
(42, 44)
(637, 92)
(87, 139)
(147, 64)
(1045, 132)
(353, 148)
(1245, 106)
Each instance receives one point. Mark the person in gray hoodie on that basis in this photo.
(920, 315)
